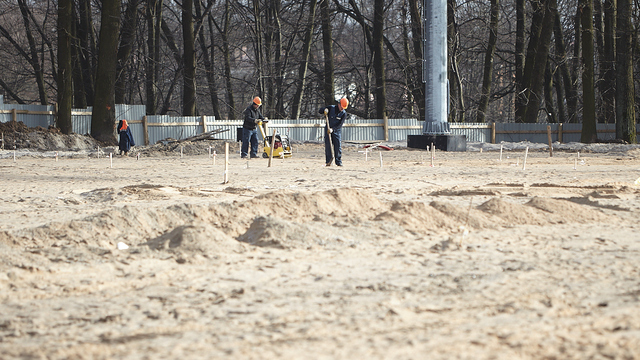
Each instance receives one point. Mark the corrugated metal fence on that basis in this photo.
(153, 128)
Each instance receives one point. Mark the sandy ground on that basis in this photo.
(472, 258)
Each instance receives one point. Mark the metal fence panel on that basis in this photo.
(474, 132)
(357, 130)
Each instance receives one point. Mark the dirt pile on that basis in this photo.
(328, 219)
(17, 135)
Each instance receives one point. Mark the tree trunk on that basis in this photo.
(258, 50)
(304, 61)
(589, 133)
(607, 63)
(548, 94)
(34, 59)
(559, 96)
(189, 72)
(103, 119)
(488, 60)
(625, 101)
(65, 69)
(455, 80)
(519, 59)
(154, 20)
(378, 59)
(541, 55)
(124, 51)
(227, 61)
(327, 47)
(208, 59)
(569, 87)
(416, 34)
(87, 49)
(523, 95)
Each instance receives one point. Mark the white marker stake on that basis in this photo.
(500, 152)
(14, 154)
(366, 154)
(56, 156)
(433, 154)
(575, 164)
(524, 163)
(98, 152)
(578, 154)
(111, 159)
(480, 150)
(138, 156)
(226, 163)
(214, 157)
(380, 159)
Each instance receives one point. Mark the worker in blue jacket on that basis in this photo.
(126, 138)
(337, 115)
(252, 117)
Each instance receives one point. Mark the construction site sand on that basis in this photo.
(384, 258)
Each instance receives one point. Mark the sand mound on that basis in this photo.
(470, 217)
(290, 220)
(348, 203)
(417, 217)
(271, 232)
(564, 211)
(198, 238)
(513, 214)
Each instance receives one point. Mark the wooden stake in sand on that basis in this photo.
(56, 156)
(111, 160)
(226, 163)
(273, 142)
(214, 157)
(524, 163)
(380, 159)
(575, 163)
(14, 153)
(433, 154)
(98, 152)
(366, 154)
(549, 138)
(500, 152)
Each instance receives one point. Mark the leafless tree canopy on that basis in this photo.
(276, 49)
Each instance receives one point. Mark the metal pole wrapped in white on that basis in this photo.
(434, 67)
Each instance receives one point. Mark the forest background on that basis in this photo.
(568, 61)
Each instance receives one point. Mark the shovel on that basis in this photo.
(330, 141)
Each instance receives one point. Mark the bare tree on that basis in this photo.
(65, 68)
(625, 92)
(103, 118)
(588, 90)
(488, 60)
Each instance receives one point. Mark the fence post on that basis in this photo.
(204, 124)
(145, 130)
(493, 132)
(14, 115)
(560, 133)
(385, 120)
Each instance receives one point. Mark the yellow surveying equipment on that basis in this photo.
(281, 146)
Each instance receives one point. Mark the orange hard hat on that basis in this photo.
(257, 100)
(344, 103)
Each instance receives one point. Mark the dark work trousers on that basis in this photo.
(336, 138)
(249, 136)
